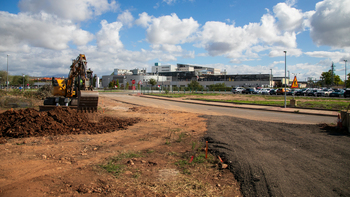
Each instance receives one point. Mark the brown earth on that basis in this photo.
(123, 150)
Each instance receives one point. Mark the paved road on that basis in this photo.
(214, 110)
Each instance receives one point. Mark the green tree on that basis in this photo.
(94, 80)
(117, 83)
(3, 77)
(348, 81)
(127, 85)
(152, 82)
(194, 85)
(327, 78)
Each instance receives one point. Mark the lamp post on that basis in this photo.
(285, 79)
(271, 79)
(23, 82)
(345, 74)
(7, 76)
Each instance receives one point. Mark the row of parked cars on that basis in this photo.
(317, 92)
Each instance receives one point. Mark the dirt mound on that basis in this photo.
(60, 121)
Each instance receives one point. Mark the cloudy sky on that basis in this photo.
(41, 37)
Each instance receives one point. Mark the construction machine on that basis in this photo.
(75, 91)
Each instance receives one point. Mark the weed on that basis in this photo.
(181, 136)
(136, 175)
(296, 111)
(172, 153)
(167, 142)
(113, 168)
(150, 151)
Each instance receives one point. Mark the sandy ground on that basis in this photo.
(153, 153)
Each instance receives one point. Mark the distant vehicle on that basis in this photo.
(312, 93)
(237, 90)
(347, 93)
(300, 92)
(327, 91)
(337, 93)
(292, 92)
(272, 92)
(280, 91)
(264, 91)
(248, 91)
(320, 93)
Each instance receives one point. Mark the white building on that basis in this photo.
(157, 68)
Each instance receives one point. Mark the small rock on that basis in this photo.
(131, 162)
(95, 148)
(224, 166)
(84, 154)
(218, 185)
(134, 159)
(143, 161)
(43, 156)
(127, 172)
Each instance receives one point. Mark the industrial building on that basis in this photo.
(181, 75)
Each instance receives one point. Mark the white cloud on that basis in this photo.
(169, 2)
(77, 10)
(240, 43)
(336, 56)
(289, 19)
(126, 18)
(144, 19)
(108, 36)
(169, 29)
(330, 24)
(22, 31)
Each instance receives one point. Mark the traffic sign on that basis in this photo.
(133, 81)
(140, 82)
(295, 83)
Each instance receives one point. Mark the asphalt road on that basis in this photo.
(214, 110)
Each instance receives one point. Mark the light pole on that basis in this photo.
(23, 82)
(7, 76)
(285, 79)
(271, 79)
(345, 74)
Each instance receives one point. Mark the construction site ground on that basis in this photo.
(132, 150)
(122, 150)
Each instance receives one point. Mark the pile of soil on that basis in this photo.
(59, 121)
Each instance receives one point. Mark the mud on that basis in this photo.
(60, 121)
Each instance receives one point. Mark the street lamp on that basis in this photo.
(23, 82)
(7, 76)
(271, 79)
(285, 79)
(345, 74)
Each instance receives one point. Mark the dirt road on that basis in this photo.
(279, 159)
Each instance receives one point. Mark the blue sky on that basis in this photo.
(244, 37)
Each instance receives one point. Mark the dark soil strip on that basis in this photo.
(278, 159)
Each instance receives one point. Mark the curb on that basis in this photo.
(244, 107)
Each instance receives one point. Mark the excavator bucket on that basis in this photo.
(87, 101)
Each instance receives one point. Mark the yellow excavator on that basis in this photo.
(76, 90)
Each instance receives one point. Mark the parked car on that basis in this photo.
(280, 91)
(292, 92)
(248, 91)
(320, 93)
(237, 90)
(347, 93)
(327, 91)
(312, 92)
(337, 93)
(264, 91)
(272, 92)
(300, 92)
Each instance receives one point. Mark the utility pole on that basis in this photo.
(332, 74)
(285, 79)
(345, 74)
